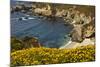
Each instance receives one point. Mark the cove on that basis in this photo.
(52, 34)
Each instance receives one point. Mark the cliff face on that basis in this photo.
(80, 32)
(89, 30)
(76, 34)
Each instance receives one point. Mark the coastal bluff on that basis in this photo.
(81, 18)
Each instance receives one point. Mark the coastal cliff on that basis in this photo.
(82, 19)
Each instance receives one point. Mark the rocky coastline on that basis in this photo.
(83, 32)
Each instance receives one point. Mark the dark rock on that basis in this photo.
(26, 18)
(20, 19)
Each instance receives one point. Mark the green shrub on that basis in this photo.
(26, 42)
(16, 44)
(35, 56)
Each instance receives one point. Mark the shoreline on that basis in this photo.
(71, 44)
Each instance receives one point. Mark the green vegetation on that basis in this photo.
(16, 44)
(26, 42)
(35, 56)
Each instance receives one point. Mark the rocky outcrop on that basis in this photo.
(76, 34)
(80, 32)
(21, 8)
(61, 13)
(42, 11)
(89, 30)
(31, 42)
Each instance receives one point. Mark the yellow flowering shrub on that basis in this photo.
(36, 56)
